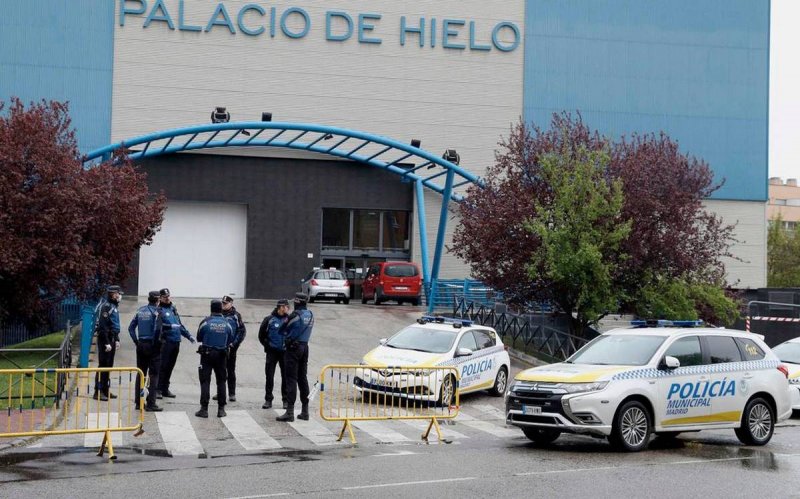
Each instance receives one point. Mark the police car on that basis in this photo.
(789, 353)
(476, 351)
(630, 383)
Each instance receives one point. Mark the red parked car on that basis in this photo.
(400, 281)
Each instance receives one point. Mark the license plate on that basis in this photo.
(531, 410)
(401, 288)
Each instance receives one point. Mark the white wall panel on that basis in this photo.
(750, 271)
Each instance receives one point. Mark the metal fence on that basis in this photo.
(16, 331)
(517, 331)
(474, 291)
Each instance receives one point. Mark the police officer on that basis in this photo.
(169, 323)
(297, 331)
(148, 347)
(235, 318)
(107, 341)
(216, 336)
(271, 338)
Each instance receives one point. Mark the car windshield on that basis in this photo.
(333, 275)
(788, 352)
(618, 350)
(401, 270)
(423, 339)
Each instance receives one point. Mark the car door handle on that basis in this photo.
(703, 378)
(747, 376)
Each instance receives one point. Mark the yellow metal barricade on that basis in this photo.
(40, 402)
(367, 393)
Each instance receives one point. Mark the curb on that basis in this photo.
(527, 359)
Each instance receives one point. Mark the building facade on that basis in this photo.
(451, 73)
(784, 202)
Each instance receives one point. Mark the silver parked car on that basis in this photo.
(328, 284)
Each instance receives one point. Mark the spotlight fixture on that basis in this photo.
(266, 116)
(452, 156)
(416, 143)
(220, 115)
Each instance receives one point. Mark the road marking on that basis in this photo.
(486, 426)
(395, 454)
(248, 433)
(422, 425)
(278, 494)
(177, 434)
(403, 484)
(313, 430)
(491, 410)
(380, 432)
(102, 420)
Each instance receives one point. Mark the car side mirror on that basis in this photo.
(463, 352)
(670, 363)
(383, 341)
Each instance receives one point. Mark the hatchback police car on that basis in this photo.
(630, 383)
(477, 352)
(789, 353)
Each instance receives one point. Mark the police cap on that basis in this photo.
(164, 292)
(153, 295)
(283, 302)
(114, 289)
(227, 299)
(300, 297)
(216, 307)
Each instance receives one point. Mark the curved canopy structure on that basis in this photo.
(408, 161)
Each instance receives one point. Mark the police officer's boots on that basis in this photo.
(288, 416)
(202, 413)
(303, 412)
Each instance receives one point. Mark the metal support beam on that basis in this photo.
(437, 256)
(423, 232)
(87, 333)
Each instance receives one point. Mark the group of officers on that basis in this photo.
(156, 330)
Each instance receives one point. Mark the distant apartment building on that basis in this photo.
(784, 201)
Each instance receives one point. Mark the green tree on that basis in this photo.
(681, 299)
(783, 255)
(580, 226)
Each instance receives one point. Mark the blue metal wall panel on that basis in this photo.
(698, 70)
(61, 50)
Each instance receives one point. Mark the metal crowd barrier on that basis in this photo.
(368, 393)
(41, 402)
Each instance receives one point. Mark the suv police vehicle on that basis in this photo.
(627, 384)
(476, 351)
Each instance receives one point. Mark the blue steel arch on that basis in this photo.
(404, 160)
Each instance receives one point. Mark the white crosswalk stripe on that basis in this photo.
(486, 426)
(492, 411)
(248, 432)
(381, 432)
(422, 425)
(177, 433)
(313, 430)
(102, 420)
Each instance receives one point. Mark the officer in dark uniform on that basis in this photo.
(169, 323)
(235, 318)
(297, 331)
(271, 338)
(148, 347)
(107, 341)
(216, 336)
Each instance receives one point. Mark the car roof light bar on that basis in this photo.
(665, 323)
(456, 322)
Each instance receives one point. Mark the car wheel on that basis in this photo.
(311, 299)
(337, 301)
(632, 427)
(500, 383)
(758, 423)
(346, 301)
(377, 299)
(447, 391)
(415, 302)
(363, 298)
(541, 435)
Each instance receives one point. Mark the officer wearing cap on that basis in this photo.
(148, 347)
(297, 331)
(271, 338)
(216, 335)
(169, 323)
(107, 341)
(235, 318)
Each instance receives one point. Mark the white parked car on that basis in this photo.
(477, 352)
(789, 353)
(330, 284)
(630, 383)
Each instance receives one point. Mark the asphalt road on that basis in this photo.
(484, 457)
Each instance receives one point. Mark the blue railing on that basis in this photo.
(472, 290)
(15, 331)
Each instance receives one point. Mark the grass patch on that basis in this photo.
(32, 390)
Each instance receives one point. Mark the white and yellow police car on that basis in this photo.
(476, 351)
(789, 353)
(627, 384)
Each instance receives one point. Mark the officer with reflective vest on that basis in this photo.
(272, 339)
(148, 347)
(169, 323)
(235, 318)
(297, 331)
(216, 336)
(107, 341)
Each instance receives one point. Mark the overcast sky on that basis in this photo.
(784, 106)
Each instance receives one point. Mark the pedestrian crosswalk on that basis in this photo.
(179, 433)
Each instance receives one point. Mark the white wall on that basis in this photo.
(447, 98)
(750, 271)
(199, 252)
